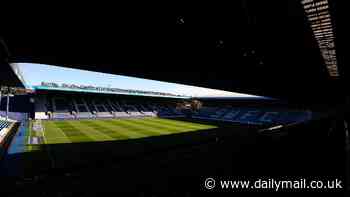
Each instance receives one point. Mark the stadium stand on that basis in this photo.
(131, 109)
(81, 107)
(5, 134)
(4, 124)
(109, 106)
(147, 111)
(60, 106)
(101, 110)
(257, 116)
(41, 108)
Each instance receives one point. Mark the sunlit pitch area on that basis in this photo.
(76, 131)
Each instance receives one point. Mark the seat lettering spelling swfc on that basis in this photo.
(249, 116)
(269, 117)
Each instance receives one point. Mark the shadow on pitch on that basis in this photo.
(181, 161)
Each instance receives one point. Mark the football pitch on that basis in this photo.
(67, 143)
(85, 144)
(77, 131)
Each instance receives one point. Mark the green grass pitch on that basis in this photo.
(70, 143)
(76, 131)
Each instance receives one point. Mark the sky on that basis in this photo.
(34, 74)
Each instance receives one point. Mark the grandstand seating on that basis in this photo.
(77, 107)
(97, 108)
(231, 114)
(219, 113)
(3, 131)
(163, 111)
(255, 116)
(144, 110)
(40, 104)
(4, 124)
(60, 104)
(206, 112)
(132, 110)
(87, 105)
(116, 106)
(109, 106)
(47, 102)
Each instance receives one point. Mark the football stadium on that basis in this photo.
(65, 114)
(174, 102)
